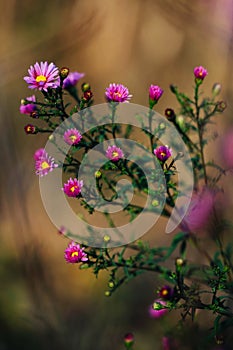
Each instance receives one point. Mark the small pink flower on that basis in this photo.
(117, 93)
(74, 253)
(44, 164)
(200, 72)
(39, 153)
(43, 76)
(155, 92)
(30, 129)
(156, 310)
(163, 153)
(30, 107)
(199, 210)
(72, 187)
(166, 292)
(129, 339)
(72, 79)
(114, 153)
(72, 136)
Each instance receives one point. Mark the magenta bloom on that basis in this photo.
(43, 76)
(44, 163)
(30, 107)
(156, 309)
(163, 153)
(199, 211)
(200, 72)
(129, 339)
(117, 93)
(72, 187)
(72, 136)
(155, 92)
(72, 79)
(166, 292)
(39, 153)
(114, 153)
(30, 129)
(74, 253)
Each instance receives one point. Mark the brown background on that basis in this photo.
(44, 303)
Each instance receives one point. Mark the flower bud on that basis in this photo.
(170, 114)
(179, 262)
(85, 87)
(128, 340)
(64, 72)
(221, 106)
(107, 293)
(173, 88)
(87, 95)
(30, 129)
(216, 89)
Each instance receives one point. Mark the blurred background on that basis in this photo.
(45, 303)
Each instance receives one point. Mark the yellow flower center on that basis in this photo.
(72, 189)
(74, 254)
(40, 78)
(45, 165)
(164, 292)
(115, 154)
(73, 138)
(118, 94)
(163, 154)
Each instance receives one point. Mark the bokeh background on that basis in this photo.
(45, 303)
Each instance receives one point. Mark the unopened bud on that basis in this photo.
(170, 114)
(216, 89)
(85, 87)
(30, 129)
(129, 340)
(107, 293)
(98, 174)
(221, 106)
(179, 262)
(64, 72)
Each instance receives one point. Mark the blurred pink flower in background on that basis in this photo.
(199, 210)
(156, 309)
(28, 108)
(72, 79)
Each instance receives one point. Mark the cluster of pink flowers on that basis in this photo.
(75, 254)
(43, 162)
(114, 153)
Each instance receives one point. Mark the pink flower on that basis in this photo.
(72, 136)
(163, 153)
(74, 253)
(114, 153)
(156, 310)
(39, 153)
(129, 339)
(155, 92)
(30, 107)
(166, 292)
(200, 72)
(72, 187)
(72, 79)
(199, 210)
(44, 163)
(43, 76)
(117, 93)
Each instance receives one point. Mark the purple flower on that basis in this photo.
(117, 93)
(30, 107)
(74, 253)
(114, 153)
(72, 79)
(155, 92)
(163, 153)
(72, 187)
(199, 210)
(156, 310)
(72, 136)
(43, 76)
(45, 164)
(200, 72)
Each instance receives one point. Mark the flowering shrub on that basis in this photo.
(190, 285)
